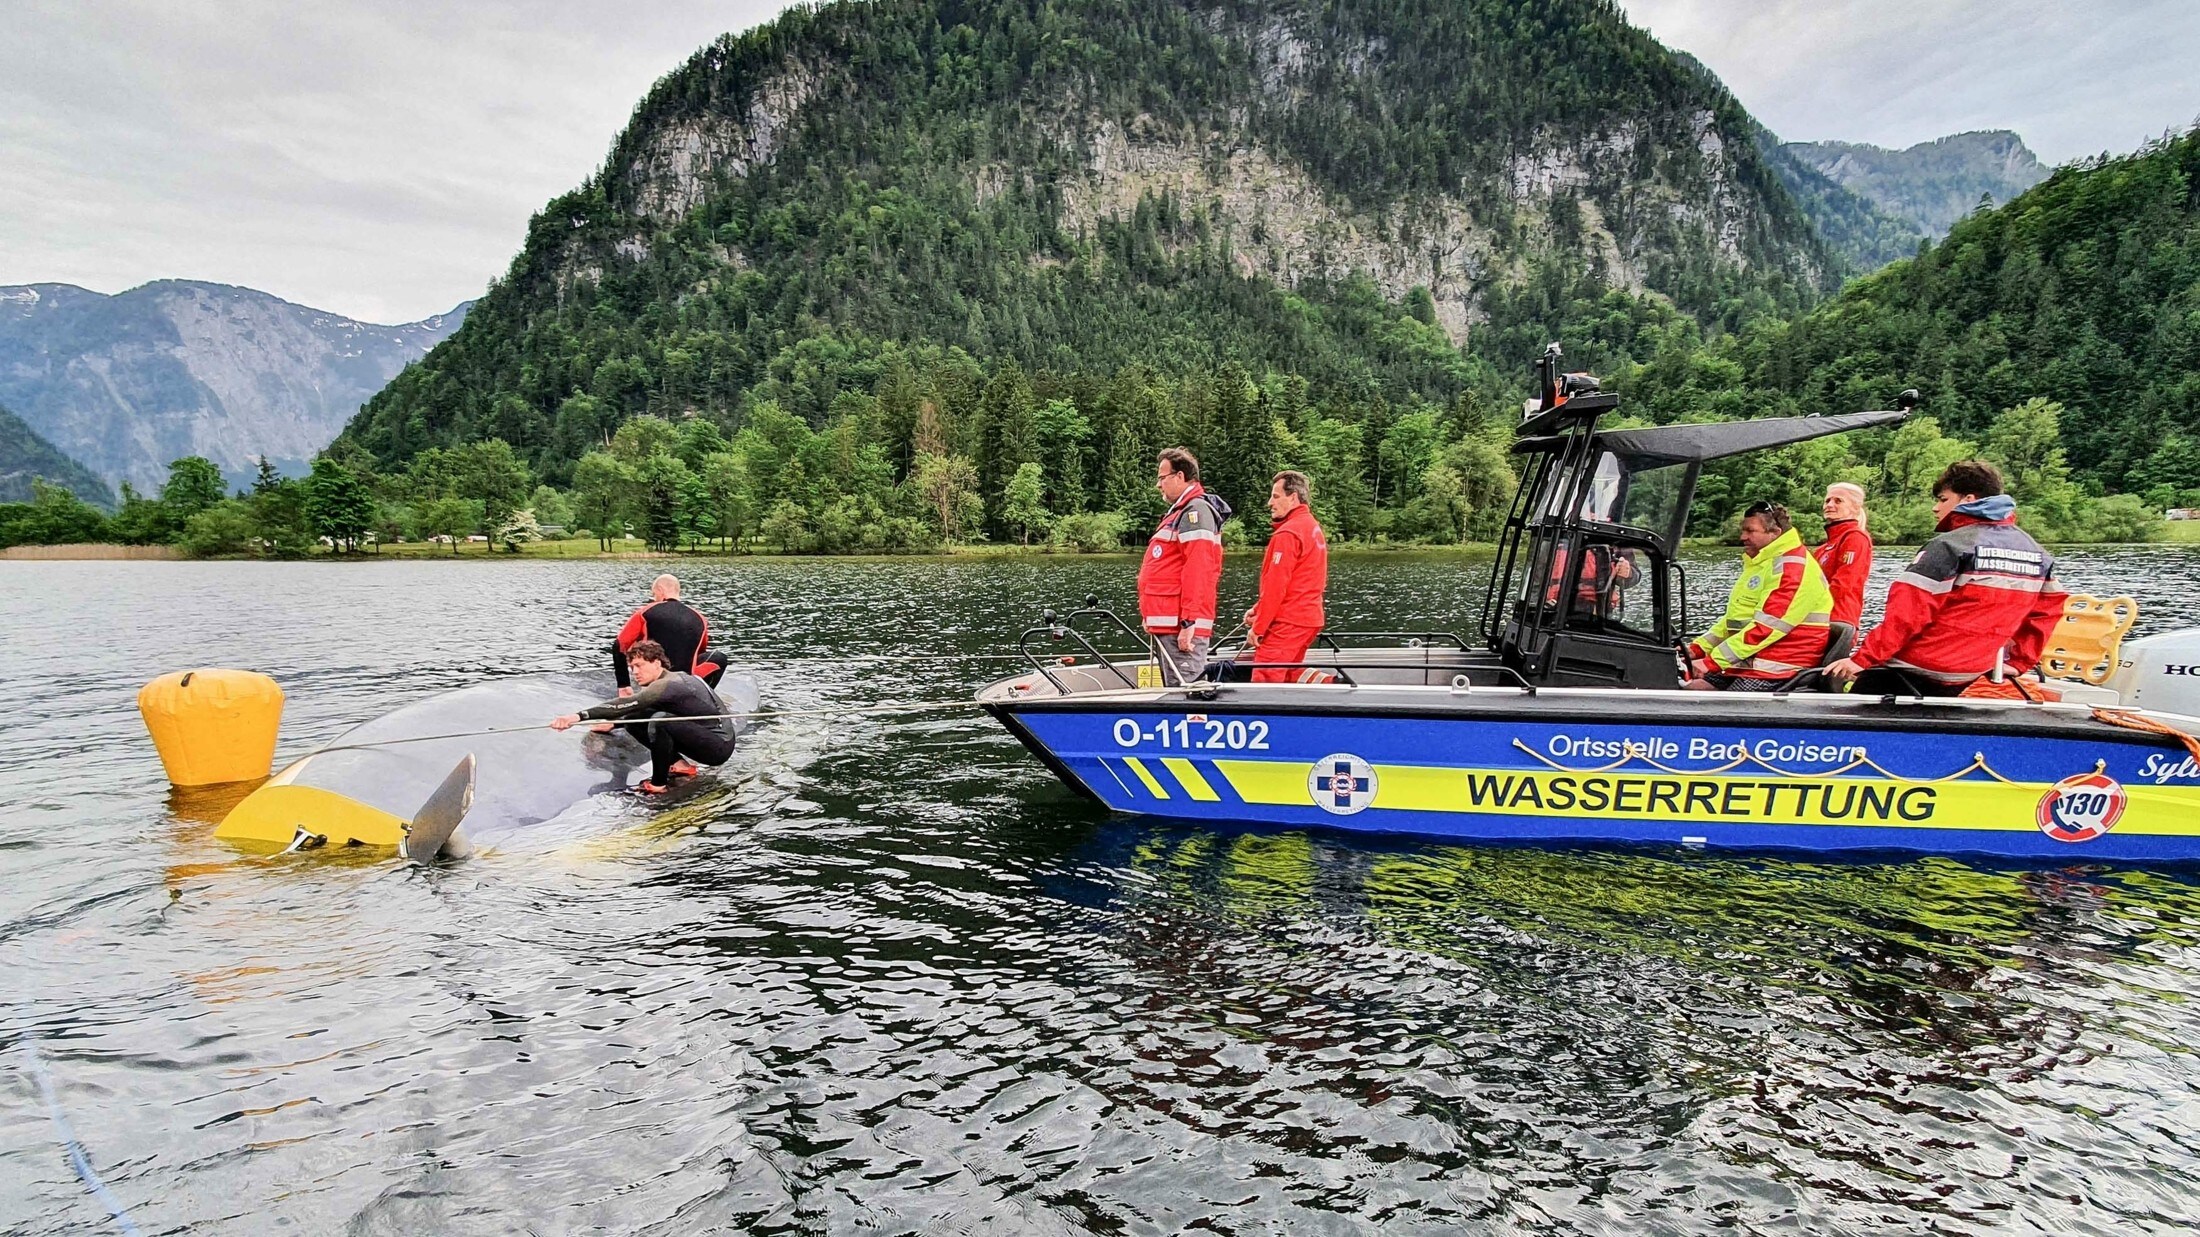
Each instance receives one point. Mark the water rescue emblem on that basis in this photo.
(2081, 808)
(1341, 784)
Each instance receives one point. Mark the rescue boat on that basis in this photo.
(1563, 723)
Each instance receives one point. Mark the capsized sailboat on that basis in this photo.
(395, 781)
(1561, 725)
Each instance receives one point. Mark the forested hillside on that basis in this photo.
(25, 457)
(966, 238)
(2060, 334)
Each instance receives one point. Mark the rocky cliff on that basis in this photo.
(128, 382)
(1085, 185)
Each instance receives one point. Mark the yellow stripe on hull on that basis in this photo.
(1713, 799)
(1153, 784)
(1188, 773)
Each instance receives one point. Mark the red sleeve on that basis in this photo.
(1202, 572)
(1277, 566)
(636, 630)
(702, 642)
(1912, 601)
(2031, 639)
(1909, 609)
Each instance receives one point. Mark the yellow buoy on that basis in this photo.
(213, 726)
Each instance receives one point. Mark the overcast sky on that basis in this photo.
(381, 160)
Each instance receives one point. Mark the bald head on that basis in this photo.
(664, 588)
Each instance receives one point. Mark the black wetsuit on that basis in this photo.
(673, 695)
(681, 628)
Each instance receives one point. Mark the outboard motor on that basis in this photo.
(2161, 673)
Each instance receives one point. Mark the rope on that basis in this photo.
(78, 1160)
(2134, 719)
(1978, 765)
(918, 706)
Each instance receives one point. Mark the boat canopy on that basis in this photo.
(1712, 440)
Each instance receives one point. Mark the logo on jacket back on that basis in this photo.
(2081, 808)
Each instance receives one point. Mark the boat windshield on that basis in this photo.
(1645, 497)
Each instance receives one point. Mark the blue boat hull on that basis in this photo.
(2070, 792)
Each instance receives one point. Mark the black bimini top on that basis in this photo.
(1711, 440)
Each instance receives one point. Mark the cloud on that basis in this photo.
(377, 161)
(382, 160)
(2071, 79)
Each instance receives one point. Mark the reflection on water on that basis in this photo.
(888, 974)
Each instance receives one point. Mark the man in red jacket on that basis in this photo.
(1182, 567)
(1282, 625)
(1982, 592)
(1846, 556)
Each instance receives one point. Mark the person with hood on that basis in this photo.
(1846, 555)
(1294, 573)
(1776, 621)
(1981, 594)
(1182, 569)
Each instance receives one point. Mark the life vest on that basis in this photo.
(1775, 626)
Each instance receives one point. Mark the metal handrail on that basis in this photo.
(1060, 628)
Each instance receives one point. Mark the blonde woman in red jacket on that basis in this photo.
(1846, 555)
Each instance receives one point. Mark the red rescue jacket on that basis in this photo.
(1293, 575)
(1846, 558)
(1183, 564)
(1981, 587)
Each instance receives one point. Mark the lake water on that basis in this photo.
(888, 975)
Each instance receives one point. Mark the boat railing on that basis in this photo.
(1057, 628)
(1413, 639)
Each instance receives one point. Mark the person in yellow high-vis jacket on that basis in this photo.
(1777, 621)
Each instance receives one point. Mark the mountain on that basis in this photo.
(1858, 230)
(2084, 290)
(1932, 184)
(24, 455)
(1345, 190)
(128, 382)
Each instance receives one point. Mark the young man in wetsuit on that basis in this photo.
(674, 746)
(673, 623)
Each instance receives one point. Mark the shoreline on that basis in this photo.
(565, 551)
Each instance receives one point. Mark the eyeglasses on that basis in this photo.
(1764, 508)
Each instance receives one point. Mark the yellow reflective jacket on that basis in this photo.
(1776, 621)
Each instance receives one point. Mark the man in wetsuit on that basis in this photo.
(705, 734)
(673, 623)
